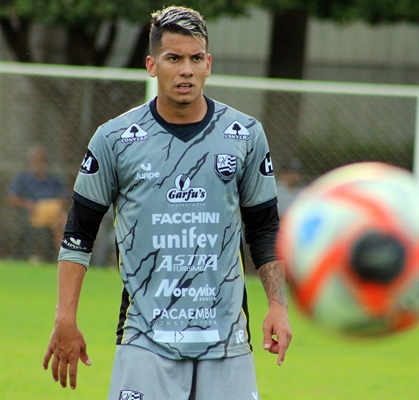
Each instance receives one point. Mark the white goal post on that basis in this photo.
(269, 84)
(329, 87)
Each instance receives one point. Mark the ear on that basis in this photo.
(209, 63)
(150, 64)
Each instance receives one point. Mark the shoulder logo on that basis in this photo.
(236, 131)
(90, 164)
(134, 134)
(184, 193)
(225, 167)
(266, 167)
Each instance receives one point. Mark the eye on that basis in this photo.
(173, 58)
(198, 57)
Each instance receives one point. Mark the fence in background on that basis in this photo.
(324, 124)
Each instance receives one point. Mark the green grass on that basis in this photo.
(318, 365)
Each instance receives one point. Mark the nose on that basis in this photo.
(186, 69)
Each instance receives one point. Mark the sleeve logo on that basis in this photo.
(90, 164)
(266, 167)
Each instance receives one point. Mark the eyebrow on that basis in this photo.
(170, 54)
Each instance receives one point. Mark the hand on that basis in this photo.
(66, 346)
(276, 324)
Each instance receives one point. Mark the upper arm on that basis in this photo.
(261, 228)
(82, 227)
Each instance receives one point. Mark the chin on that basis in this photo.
(184, 101)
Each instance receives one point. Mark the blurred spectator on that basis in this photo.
(289, 184)
(40, 195)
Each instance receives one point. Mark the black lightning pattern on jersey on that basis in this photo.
(178, 225)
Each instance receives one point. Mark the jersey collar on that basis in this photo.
(179, 133)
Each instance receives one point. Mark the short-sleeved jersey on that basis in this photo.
(177, 200)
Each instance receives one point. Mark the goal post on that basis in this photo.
(416, 140)
(227, 81)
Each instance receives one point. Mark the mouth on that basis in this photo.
(184, 86)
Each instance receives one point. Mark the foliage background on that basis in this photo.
(85, 20)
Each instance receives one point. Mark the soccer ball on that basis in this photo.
(350, 244)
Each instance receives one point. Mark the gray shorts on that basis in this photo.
(139, 374)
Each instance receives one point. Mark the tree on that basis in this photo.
(84, 20)
(290, 24)
(89, 28)
(288, 42)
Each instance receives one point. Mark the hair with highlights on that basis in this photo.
(174, 19)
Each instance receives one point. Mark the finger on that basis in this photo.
(46, 359)
(282, 349)
(54, 368)
(85, 358)
(62, 373)
(272, 345)
(274, 348)
(73, 374)
(268, 340)
(281, 355)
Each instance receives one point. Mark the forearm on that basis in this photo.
(70, 280)
(272, 276)
(276, 323)
(67, 345)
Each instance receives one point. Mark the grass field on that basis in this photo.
(318, 365)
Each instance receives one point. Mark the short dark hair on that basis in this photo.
(175, 19)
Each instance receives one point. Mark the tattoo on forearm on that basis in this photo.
(272, 276)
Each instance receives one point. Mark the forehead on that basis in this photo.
(180, 44)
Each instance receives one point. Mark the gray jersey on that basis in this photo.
(177, 199)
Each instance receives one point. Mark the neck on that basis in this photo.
(177, 113)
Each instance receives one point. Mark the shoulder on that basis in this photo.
(229, 112)
(236, 124)
(137, 115)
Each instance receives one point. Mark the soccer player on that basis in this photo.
(182, 173)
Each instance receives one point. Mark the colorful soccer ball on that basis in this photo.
(350, 244)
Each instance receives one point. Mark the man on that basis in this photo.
(180, 172)
(40, 195)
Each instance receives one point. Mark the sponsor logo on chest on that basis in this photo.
(183, 192)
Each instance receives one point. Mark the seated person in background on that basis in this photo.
(289, 184)
(40, 194)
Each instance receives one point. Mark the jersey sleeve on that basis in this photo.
(97, 179)
(261, 229)
(80, 233)
(257, 186)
